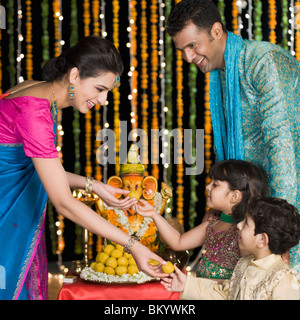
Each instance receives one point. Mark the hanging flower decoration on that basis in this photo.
(272, 21)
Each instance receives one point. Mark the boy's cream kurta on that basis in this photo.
(265, 279)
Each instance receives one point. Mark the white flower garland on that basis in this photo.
(91, 275)
(123, 219)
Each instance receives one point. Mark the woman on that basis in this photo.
(30, 170)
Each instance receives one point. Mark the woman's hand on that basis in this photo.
(144, 208)
(175, 282)
(142, 255)
(108, 194)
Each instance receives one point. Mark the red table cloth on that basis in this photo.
(83, 290)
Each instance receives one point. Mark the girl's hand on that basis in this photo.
(144, 208)
(108, 194)
(175, 282)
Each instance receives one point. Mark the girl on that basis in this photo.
(31, 171)
(232, 184)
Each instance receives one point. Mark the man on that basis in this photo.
(254, 96)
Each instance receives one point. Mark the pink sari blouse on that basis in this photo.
(27, 120)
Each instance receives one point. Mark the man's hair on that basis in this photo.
(203, 13)
(278, 219)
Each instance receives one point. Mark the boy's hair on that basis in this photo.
(243, 176)
(203, 13)
(278, 219)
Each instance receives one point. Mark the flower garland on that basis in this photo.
(221, 9)
(162, 74)
(133, 73)
(207, 132)
(97, 126)
(11, 47)
(257, 20)
(147, 232)
(29, 56)
(45, 36)
(116, 91)
(154, 88)
(88, 120)
(20, 55)
(169, 101)
(96, 21)
(88, 115)
(144, 77)
(56, 6)
(192, 125)
(284, 23)
(235, 14)
(272, 21)
(297, 33)
(86, 18)
(179, 151)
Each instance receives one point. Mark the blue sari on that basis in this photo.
(22, 212)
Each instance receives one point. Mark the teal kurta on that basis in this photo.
(270, 107)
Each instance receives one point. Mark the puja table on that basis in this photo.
(83, 290)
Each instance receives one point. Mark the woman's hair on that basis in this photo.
(203, 13)
(92, 56)
(243, 176)
(278, 219)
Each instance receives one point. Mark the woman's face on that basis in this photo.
(91, 91)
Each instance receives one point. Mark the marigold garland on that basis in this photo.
(297, 32)
(179, 147)
(11, 46)
(144, 78)
(56, 6)
(235, 14)
(168, 99)
(154, 88)
(88, 119)
(97, 125)
(147, 232)
(272, 21)
(207, 132)
(116, 91)
(132, 29)
(29, 56)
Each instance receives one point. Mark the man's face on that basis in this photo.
(205, 50)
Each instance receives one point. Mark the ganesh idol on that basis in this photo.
(132, 178)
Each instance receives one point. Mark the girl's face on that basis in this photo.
(219, 196)
(91, 91)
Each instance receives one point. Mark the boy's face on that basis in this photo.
(247, 240)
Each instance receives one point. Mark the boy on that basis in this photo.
(271, 227)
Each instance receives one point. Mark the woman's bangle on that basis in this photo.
(89, 185)
(129, 244)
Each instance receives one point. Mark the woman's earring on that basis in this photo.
(72, 92)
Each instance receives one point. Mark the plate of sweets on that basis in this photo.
(113, 265)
